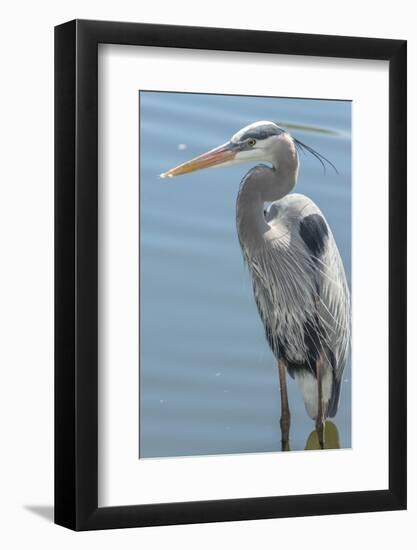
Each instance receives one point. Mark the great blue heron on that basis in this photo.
(299, 282)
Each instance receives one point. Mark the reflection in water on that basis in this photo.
(332, 439)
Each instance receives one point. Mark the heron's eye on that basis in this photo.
(251, 142)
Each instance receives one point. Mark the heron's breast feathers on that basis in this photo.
(302, 298)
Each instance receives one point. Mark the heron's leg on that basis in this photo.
(320, 420)
(285, 410)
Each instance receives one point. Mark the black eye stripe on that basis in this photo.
(263, 132)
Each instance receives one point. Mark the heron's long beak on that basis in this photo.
(220, 155)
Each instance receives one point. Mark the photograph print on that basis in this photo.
(245, 274)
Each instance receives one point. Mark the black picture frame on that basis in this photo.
(76, 272)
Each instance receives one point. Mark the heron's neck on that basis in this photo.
(260, 185)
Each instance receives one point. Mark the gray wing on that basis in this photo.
(322, 281)
(333, 299)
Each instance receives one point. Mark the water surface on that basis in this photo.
(208, 381)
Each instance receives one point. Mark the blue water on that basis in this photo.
(208, 381)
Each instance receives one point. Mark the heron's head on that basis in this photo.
(261, 141)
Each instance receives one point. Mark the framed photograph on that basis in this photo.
(230, 343)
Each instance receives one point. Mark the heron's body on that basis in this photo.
(298, 279)
(302, 303)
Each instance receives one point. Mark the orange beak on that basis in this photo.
(220, 155)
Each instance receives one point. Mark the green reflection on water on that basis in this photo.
(331, 438)
(312, 129)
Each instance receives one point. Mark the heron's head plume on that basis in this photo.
(261, 141)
